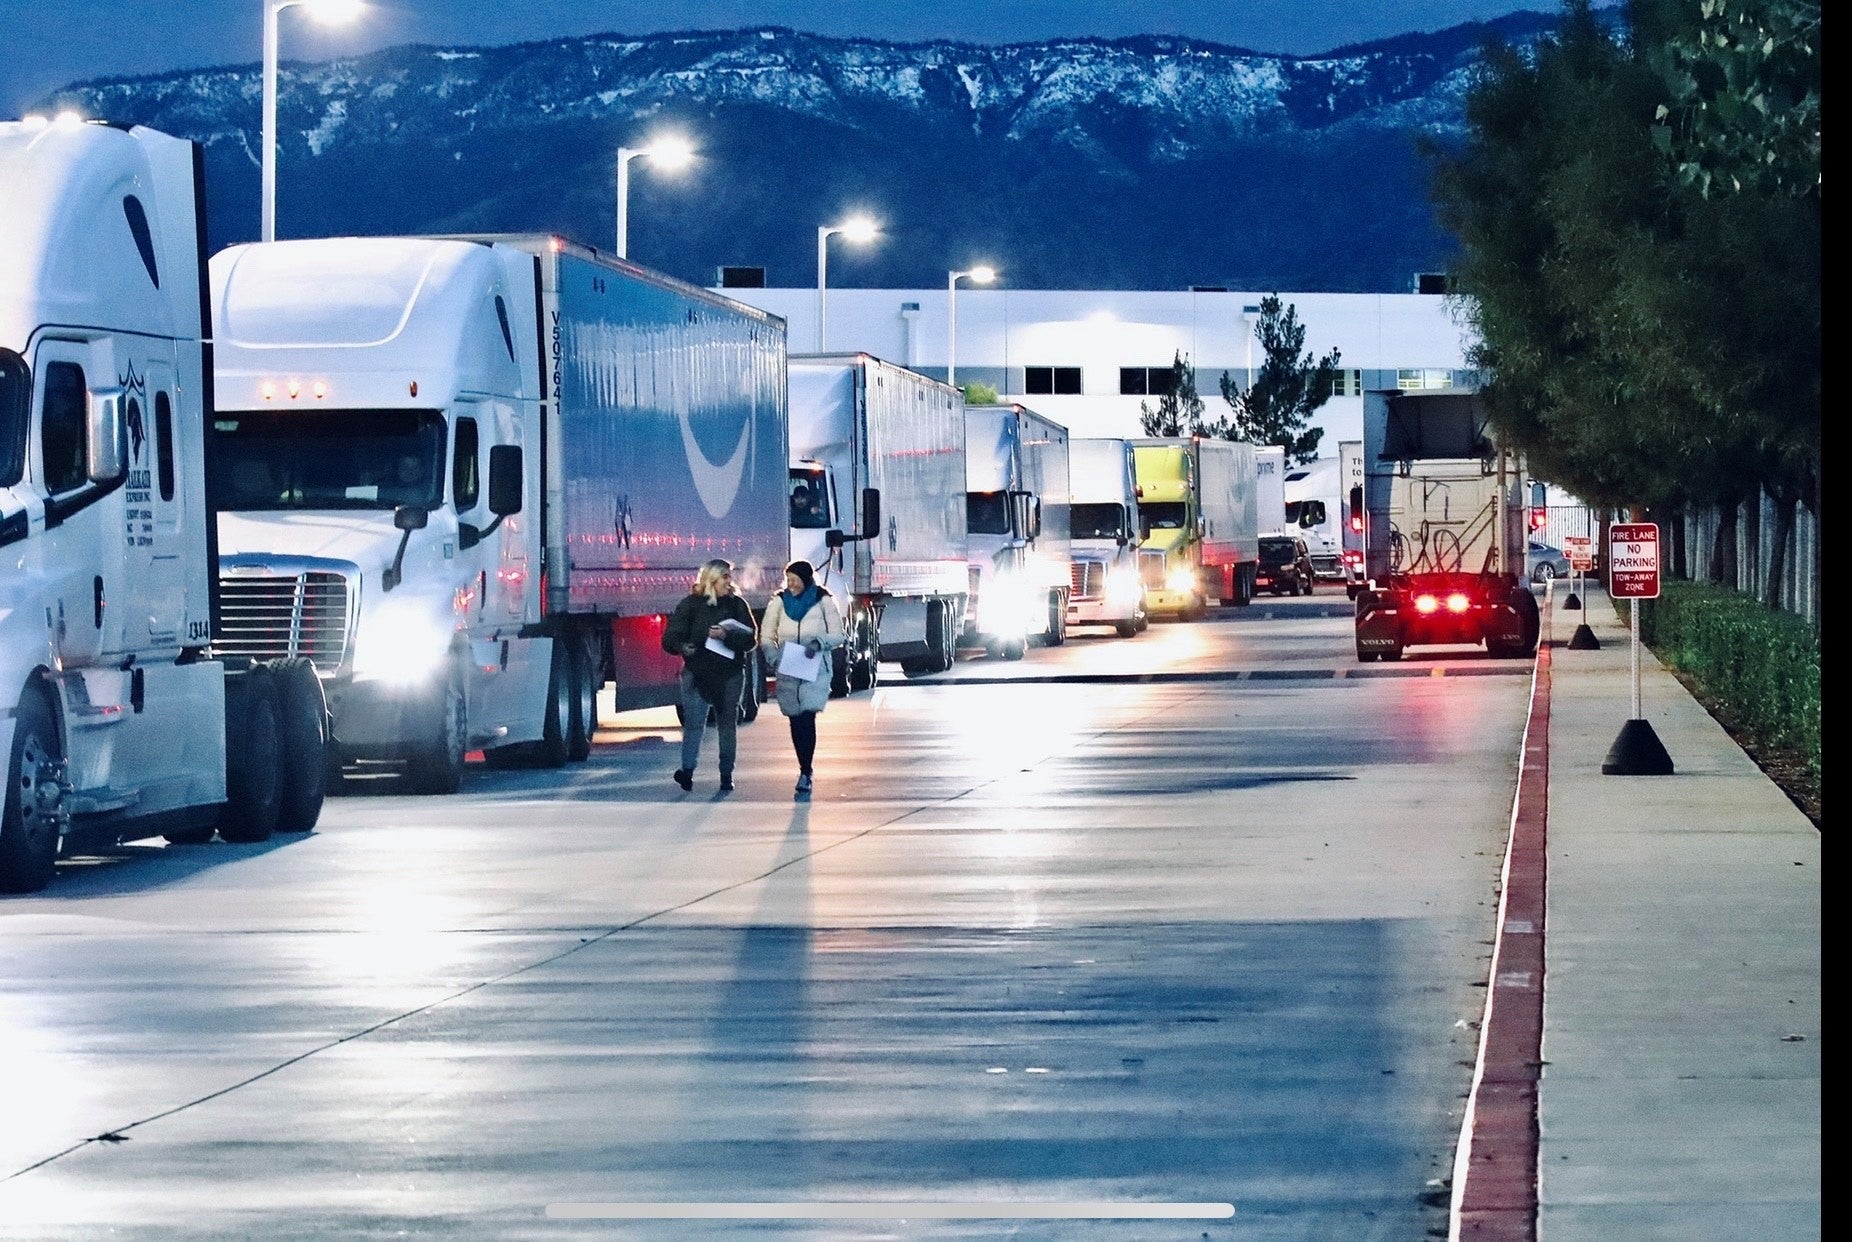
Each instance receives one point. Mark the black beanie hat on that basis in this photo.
(805, 572)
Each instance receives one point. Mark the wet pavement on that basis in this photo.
(1111, 934)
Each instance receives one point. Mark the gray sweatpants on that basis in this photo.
(694, 722)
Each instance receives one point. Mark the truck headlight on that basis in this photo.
(1122, 585)
(1007, 607)
(402, 645)
(1182, 581)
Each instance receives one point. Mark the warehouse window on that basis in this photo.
(1422, 379)
(1146, 381)
(1348, 383)
(1051, 381)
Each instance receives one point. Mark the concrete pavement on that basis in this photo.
(1680, 1079)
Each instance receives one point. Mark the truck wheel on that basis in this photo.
(302, 726)
(840, 675)
(1125, 629)
(585, 667)
(1244, 585)
(1015, 649)
(1143, 621)
(436, 766)
(29, 818)
(253, 759)
(1057, 619)
(864, 672)
(1195, 610)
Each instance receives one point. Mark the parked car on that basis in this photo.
(1285, 565)
(1546, 562)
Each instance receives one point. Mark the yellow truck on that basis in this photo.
(1198, 524)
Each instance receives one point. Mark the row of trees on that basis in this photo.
(1639, 221)
(1276, 409)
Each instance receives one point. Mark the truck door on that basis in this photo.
(153, 534)
(84, 567)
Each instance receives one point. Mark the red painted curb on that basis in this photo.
(1497, 1195)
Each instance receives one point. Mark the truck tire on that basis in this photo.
(586, 667)
(1057, 619)
(253, 759)
(1125, 629)
(1244, 585)
(840, 664)
(865, 673)
(302, 727)
(29, 826)
(435, 765)
(556, 722)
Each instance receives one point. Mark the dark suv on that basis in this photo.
(1285, 566)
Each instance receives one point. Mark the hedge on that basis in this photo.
(1760, 666)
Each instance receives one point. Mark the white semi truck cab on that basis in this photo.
(1105, 586)
(114, 710)
(1016, 528)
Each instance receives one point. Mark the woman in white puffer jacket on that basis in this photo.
(805, 614)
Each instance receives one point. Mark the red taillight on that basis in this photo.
(1353, 558)
(1425, 604)
(1356, 523)
(1458, 602)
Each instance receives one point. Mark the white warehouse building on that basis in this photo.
(1088, 358)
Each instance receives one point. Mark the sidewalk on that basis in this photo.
(1681, 1032)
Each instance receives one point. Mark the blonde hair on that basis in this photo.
(707, 582)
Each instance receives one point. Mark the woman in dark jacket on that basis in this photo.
(712, 611)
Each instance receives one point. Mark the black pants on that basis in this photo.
(804, 739)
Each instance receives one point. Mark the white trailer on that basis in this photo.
(1350, 459)
(1103, 522)
(877, 505)
(1270, 488)
(468, 479)
(1199, 521)
(114, 713)
(1016, 526)
(1313, 505)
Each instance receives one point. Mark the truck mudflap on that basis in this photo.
(1443, 609)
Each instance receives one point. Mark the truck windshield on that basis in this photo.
(15, 403)
(326, 459)
(810, 508)
(1170, 515)
(1097, 521)
(987, 513)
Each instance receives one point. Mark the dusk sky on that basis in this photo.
(49, 44)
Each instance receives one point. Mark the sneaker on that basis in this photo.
(726, 782)
(803, 782)
(684, 778)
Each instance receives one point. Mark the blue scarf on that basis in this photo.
(797, 605)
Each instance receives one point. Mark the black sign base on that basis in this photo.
(1637, 751)
(1584, 639)
(1573, 603)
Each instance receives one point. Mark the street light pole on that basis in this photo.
(982, 274)
(857, 229)
(670, 153)
(327, 11)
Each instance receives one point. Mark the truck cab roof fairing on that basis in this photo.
(391, 308)
(72, 257)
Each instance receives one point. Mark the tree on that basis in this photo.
(980, 394)
(1179, 410)
(1287, 390)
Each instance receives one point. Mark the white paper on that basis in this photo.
(719, 646)
(798, 664)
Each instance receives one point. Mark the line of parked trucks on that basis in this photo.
(318, 503)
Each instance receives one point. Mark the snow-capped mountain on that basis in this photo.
(1132, 163)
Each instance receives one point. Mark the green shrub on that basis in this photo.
(1760, 666)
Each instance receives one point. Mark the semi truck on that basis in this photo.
(1270, 489)
(1104, 588)
(119, 719)
(1350, 534)
(1313, 506)
(877, 505)
(1018, 550)
(1444, 530)
(468, 478)
(1200, 528)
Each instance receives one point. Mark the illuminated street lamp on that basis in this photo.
(858, 229)
(329, 12)
(982, 274)
(671, 153)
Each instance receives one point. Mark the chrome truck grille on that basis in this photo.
(1088, 579)
(270, 616)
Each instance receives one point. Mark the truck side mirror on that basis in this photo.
(834, 539)
(1035, 518)
(505, 479)
(105, 456)
(409, 518)
(871, 511)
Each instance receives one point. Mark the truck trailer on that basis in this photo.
(118, 717)
(1350, 472)
(468, 478)
(1270, 489)
(877, 505)
(1200, 537)
(1444, 531)
(1018, 547)
(1104, 585)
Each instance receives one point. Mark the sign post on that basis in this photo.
(1580, 549)
(1633, 575)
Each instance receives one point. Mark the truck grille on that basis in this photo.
(1089, 579)
(272, 616)
(1151, 569)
